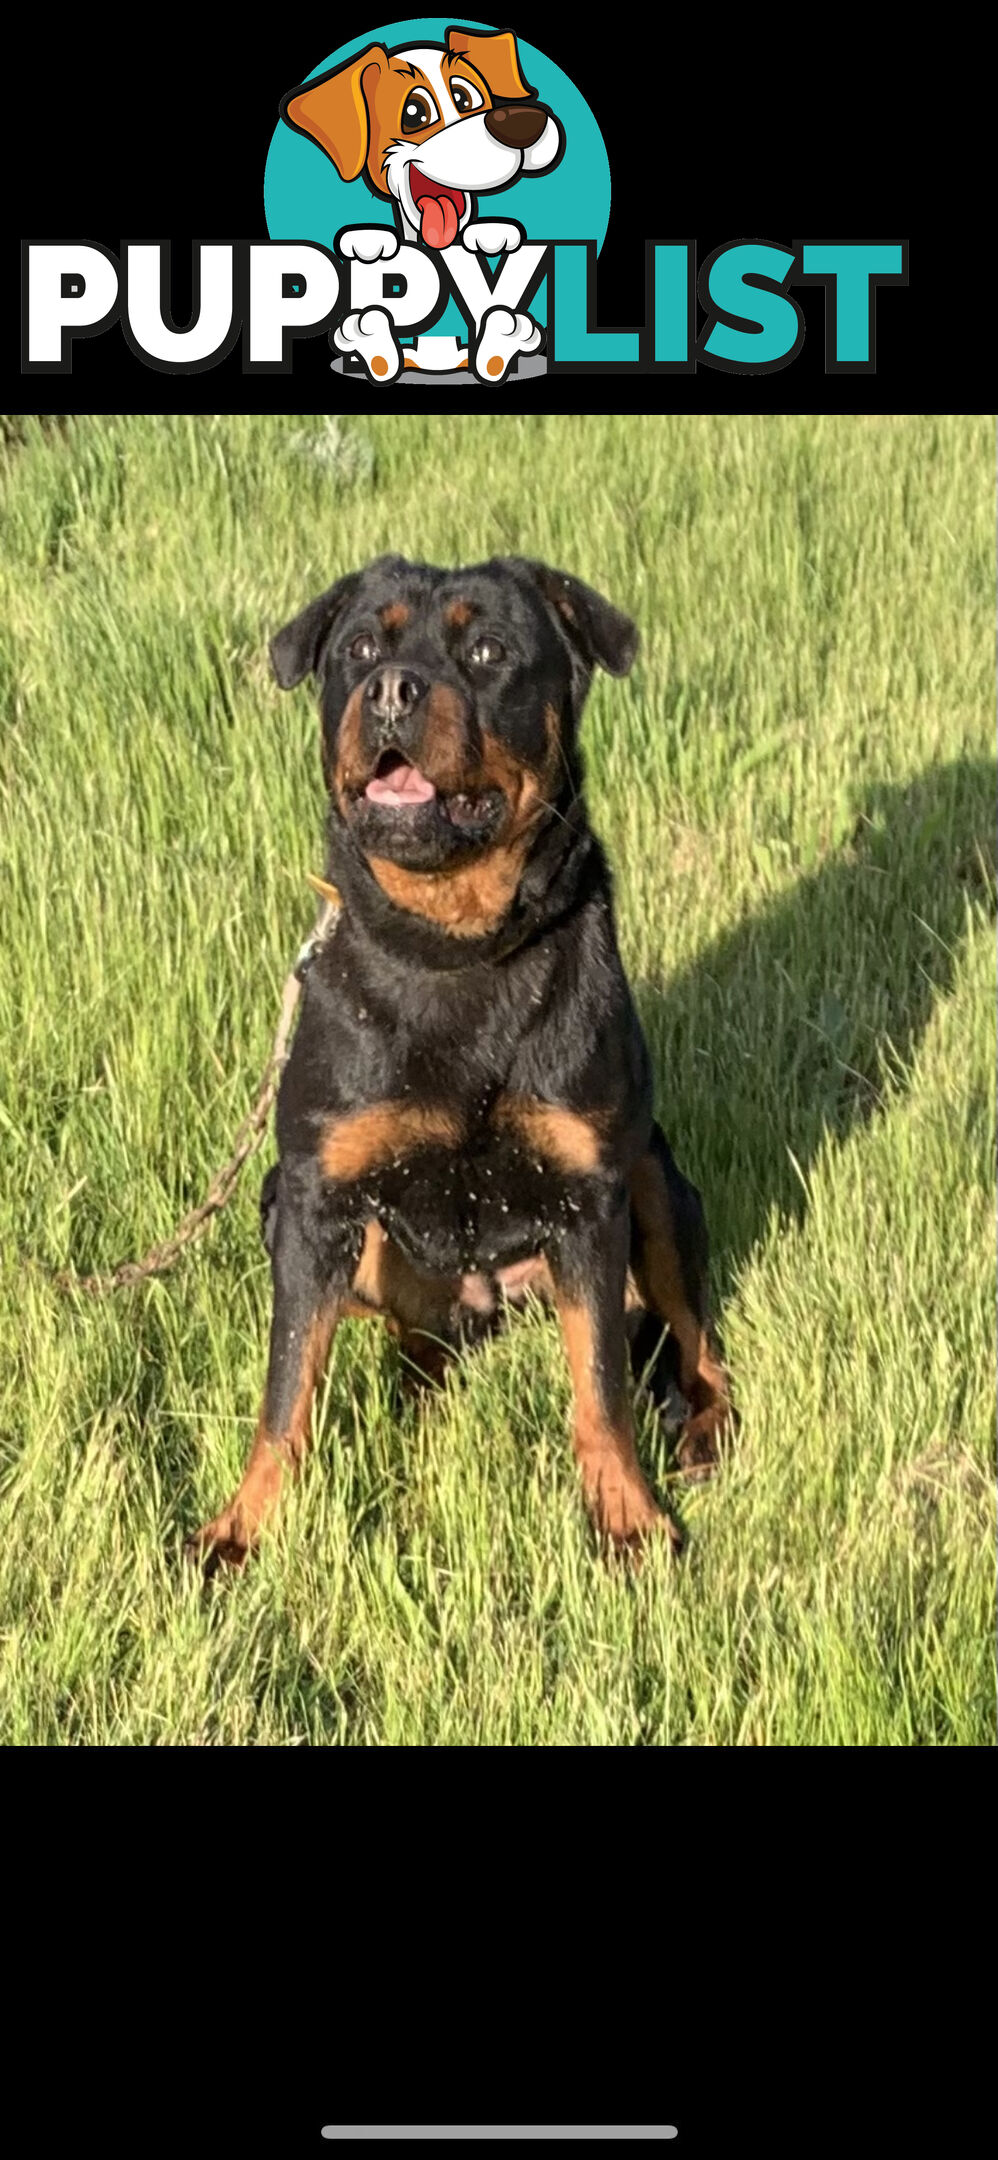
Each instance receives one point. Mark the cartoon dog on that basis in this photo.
(431, 127)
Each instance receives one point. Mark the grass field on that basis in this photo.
(797, 790)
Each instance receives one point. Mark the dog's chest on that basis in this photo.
(482, 1204)
(451, 1127)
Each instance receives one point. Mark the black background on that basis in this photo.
(810, 132)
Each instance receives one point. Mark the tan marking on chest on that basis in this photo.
(562, 1137)
(350, 1147)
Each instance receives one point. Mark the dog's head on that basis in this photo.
(431, 126)
(450, 701)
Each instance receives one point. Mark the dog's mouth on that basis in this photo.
(395, 784)
(438, 208)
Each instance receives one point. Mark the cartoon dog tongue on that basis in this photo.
(438, 220)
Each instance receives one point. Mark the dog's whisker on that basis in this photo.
(553, 807)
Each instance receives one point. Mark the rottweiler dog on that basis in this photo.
(466, 1113)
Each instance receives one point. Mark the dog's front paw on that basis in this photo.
(368, 243)
(626, 1514)
(492, 236)
(370, 336)
(224, 1542)
(501, 337)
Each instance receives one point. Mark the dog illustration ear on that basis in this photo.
(335, 110)
(496, 58)
(596, 629)
(294, 652)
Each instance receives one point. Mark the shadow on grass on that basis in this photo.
(785, 1029)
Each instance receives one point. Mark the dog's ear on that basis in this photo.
(294, 652)
(335, 110)
(597, 630)
(496, 58)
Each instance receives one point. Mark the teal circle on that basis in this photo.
(305, 199)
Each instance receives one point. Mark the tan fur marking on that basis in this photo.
(472, 899)
(660, 1279)
(386, 1282)
(612, 1477)
(394, 616)
(702, 1376)
(525, 789)
(468, 902)
(235, 1530)
(561, 1136)
(458, 614)
(352, 1146)
(349, 772)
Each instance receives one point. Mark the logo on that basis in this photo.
(441, 155)
(436, 198)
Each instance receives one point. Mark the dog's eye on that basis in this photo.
(485, 650)
(466, 97)
(365, 647)
(418, 111)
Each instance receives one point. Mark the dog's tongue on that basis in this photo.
(438, 220)
(403, 786)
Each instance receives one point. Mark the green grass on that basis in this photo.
(797, 790)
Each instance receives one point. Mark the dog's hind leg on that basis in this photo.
(669, 1263)
(655, 1361)
(304, 1321)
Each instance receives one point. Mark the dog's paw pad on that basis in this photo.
(370, 337)
(502, 336)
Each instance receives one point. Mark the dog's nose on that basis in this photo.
(516, 126)
(391, 693)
